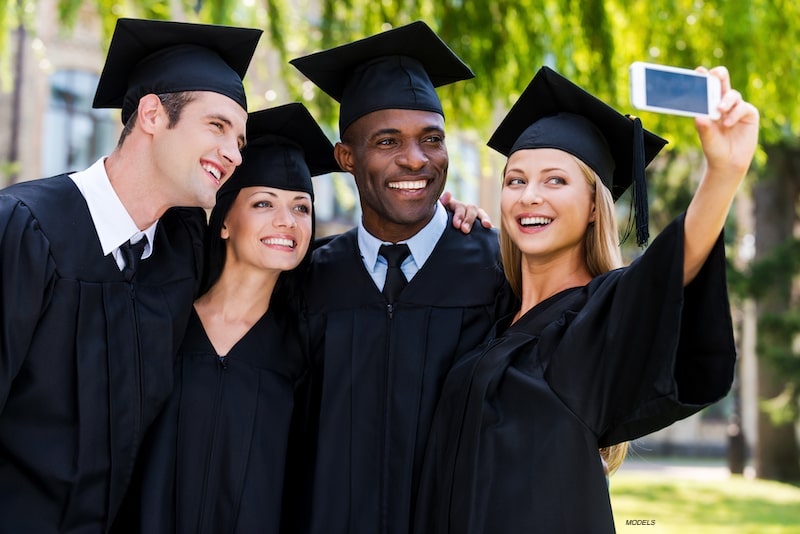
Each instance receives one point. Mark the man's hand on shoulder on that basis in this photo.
(464, 215)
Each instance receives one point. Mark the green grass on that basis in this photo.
(683, 503)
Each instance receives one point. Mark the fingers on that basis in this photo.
(453, 205)
(730, 141)
(724, 76)
(486, 222)
(470, 214)
(732, 107)
(464, 215)
(462, 218)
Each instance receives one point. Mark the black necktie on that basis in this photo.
(132, 253)
(395, 279)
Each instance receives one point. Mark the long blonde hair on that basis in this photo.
(601, 245)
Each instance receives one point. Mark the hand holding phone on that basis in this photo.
(674, 90)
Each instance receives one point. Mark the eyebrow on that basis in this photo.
(540, 171)
(395, 131)
(384, 131)
(301, 196)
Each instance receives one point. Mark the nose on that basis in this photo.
(531, 195)
(412, 157)
(229, 151)
(284, 218)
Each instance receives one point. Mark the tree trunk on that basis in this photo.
(776, 196)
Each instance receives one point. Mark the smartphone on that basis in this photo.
(674, 90)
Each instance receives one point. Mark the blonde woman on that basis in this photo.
(596, 355)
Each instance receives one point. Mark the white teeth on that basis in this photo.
(535, 221)
(419, 184)
(213, 170)
(278, 241)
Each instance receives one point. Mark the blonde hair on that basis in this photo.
(614, 456)
(601, 246)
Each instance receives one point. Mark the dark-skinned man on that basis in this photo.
(383, 341)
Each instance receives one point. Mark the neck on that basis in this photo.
(543, 279)
(392, 231)
(136, 185)
(240, 296)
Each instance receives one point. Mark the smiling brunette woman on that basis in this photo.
(596, 355)
(219, 460)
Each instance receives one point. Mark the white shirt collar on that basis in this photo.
(112, 221)
(420, 244)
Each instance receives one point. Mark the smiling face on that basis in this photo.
(268, 228)
(547, 205)
(399, 161)
(199, 152)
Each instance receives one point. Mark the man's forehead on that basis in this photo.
(408, 121)
(215, 104)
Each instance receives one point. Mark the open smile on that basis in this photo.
(409, 185)
(534, 222)
(214, 171)
(279, 242)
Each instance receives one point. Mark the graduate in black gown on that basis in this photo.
(384, 356)
(87, 337)
(595, 355)
(219, 457)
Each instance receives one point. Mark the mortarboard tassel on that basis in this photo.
(640, 204)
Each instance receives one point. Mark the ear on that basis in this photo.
(344, 156)
(593, 213)
(149, 112)
(224, 233)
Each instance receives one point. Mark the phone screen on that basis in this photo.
(676, 91)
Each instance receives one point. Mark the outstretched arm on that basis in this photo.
(728, 144)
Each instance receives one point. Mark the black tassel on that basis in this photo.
(640, 205)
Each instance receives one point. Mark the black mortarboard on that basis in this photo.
(150, 56)
(285, 148)
(396, 69)
(553, 112)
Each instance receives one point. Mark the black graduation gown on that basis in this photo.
(514, 442)
(85, 357)
(216, 459)
(383, 367)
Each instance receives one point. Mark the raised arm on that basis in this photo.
(728, 144)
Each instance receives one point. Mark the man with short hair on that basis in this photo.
(394, 302)
(98, 272)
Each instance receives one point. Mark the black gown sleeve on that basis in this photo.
(645, 351)
(26, 273)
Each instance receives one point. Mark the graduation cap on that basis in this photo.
(553, 112)
(150, 56)
(286, 147)
(396, 69)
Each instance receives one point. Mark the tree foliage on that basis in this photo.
(505, 41)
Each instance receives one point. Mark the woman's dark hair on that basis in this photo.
(287, 294)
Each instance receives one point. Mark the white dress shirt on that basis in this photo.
(111, 220)
(420, 244)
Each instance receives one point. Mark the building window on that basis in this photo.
(75, 135)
